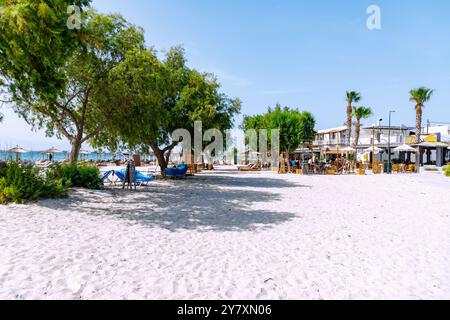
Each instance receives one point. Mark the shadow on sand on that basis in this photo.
(203, 203)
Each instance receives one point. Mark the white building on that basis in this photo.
(331, 139)
(443, 131)
(433, 150)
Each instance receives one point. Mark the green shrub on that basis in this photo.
(79, 176)
(447, 171)
(19, 183)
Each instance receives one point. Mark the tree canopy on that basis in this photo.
(149, 98)
(35, 43)
(70, 111)
(296, 127)
(99, 82)
(360, 113)
(420, 96)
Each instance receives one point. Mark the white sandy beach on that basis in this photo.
(229, 235)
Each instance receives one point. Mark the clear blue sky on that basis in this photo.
(303, 54)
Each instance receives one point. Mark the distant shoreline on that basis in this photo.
(37, 155)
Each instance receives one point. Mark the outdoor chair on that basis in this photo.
(106, 175)
(178, 172)
(141, 179)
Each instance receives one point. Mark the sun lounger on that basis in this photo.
(243, 169)
(43, 164)
(106, 175)
(250, 168)
(140, 178)
(177, 172)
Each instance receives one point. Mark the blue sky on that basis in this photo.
(303, 54)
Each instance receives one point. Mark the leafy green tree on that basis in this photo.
(71, 113)
(35, 43)
(420, 96)
(360, 113)
(148, 99)
(132, 107)
(296, 128)
(259, 121)
(352, 97)
(307, 132)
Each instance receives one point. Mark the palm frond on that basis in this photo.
(353, 96)
(362, 112)
(420, 95)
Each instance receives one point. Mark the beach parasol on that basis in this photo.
(405, 148)
(52, 151)
(348, 149)
(371, 149)
(17, 150)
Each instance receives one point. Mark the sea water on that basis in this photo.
(36, 155)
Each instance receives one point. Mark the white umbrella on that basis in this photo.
(371, 149)
(348, 149)
(405, 148)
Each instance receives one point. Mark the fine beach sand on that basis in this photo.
(230, 235)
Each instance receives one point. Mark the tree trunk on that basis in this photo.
(357, 131)
(418, 122)
(349, 123)
(76, 146)
(288, 162)
(159, 154)
(167, 156)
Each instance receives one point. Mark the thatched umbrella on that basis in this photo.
(17, 150)
(52, 151)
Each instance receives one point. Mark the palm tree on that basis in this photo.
(420, 96)
(360, 113)
(352, 97)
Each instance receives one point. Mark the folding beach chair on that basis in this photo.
(178, 172)
(141, 179)
(106, 175)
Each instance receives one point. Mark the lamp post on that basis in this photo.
(373, 148)
(373, 145)
(389, 171)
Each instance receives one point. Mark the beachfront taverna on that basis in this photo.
(433, 150)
